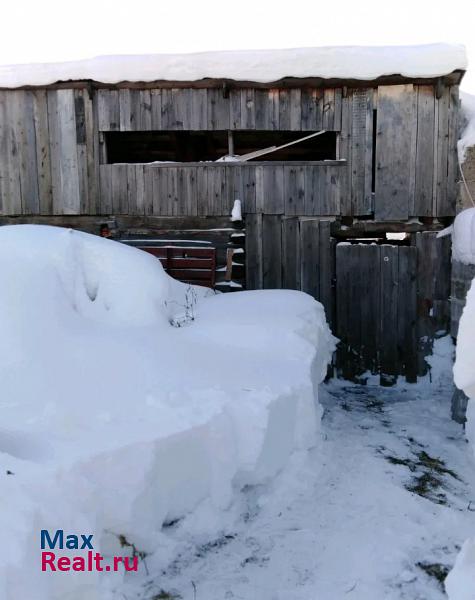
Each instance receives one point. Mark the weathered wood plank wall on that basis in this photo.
(211, 188)
(210, 109)
(292, 252)
(52, 151)
(385, 307)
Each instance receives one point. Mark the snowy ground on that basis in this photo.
(379, 511)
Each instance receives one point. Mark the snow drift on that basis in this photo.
(460, 584)
(129, 399)
(265, 66)
(463, 237)
(467, 138)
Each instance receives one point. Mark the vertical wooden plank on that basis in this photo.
(361, 151)
(136, 189)
(337, 109)
(105, 183)
(389, 265)
(227, 198)
(452, 160)
(168, 110)
(248, 173)
(309, 256)
(92, 152)
(273, 109)
(12, 204)
(180, 204)
(248, 109)
(131, 174)
(312, 195)
(149, 197)
(4, 188)
(425, 294)
(295, 110)
(135, 110)
(235, 183)
(407, 312)
(369, 274)
(326, 264)
(371, 113)
(69, 202)
(328, 112)
(345, 153)
(120, 199)
(322, 190)
(186, 185)
(294, 190)
(235, 109)
(273, 189)
(108, 110)
(82, 150)
(254, 250)
(318, 101)
(156, 109)
(161, 204)
(343, 303)
(394, 152)
(182, 102)
(259, 179)
(53, 131)
(159, 188)
(218, 110)
(330, 194)
(125, 109)
(423, 194)
(199, 109)
(25, 132)
(161, 184)
(261, 100)
(355, 334)
(309, 108)
(291, 253)
(189, 191)
(145, 123)
(284, 110)
(216, 189)
(272, 251)
(443, 207)
(172, 188)
(202, 197)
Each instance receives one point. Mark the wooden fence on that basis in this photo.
(386, 303)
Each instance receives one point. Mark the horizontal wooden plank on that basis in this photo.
(186, 273)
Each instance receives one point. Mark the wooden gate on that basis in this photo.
(376, 310)
(391, 302)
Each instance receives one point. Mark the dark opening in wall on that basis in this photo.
(321, 147)
(197, 146)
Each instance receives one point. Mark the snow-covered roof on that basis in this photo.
(263, 66)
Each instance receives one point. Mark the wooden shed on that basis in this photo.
(361, 143)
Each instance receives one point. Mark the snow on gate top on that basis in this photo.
(263, 66)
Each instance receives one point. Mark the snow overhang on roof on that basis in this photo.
(261, 66)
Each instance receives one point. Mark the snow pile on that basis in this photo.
(356, 62)
(129, 399)
(236, 213)
(460, 583)
(463, 237)
(468, 135)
